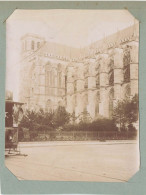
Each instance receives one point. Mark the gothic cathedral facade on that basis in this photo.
(88, 79)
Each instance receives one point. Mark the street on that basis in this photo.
(76, 161)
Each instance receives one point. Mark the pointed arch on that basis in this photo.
(127, 91)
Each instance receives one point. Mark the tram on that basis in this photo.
(13, 114)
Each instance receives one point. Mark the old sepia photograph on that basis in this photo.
(71, 104)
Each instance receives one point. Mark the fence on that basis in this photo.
(79, 136)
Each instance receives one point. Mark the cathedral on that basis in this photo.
(89, 79)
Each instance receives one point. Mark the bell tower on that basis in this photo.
(31, 43)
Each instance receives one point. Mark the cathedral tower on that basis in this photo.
(31, 43)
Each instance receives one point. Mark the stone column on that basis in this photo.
(134, 67)
(40, 84)
(80, 79)
(91, 88)
(70, 103)
(103, 106)
(70, 89)
(91, 103)
(79, 104)
(118, 73)
(79, 88)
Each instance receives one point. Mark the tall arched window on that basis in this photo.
(50, 78)
(98, 81)
(126, 64)
(32, 45)
(111, 72)
(59, 79)
(127, 92)
(86, 83)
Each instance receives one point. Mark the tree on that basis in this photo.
(40, 120)
(61, 116)
(125, 112)
(85, 117)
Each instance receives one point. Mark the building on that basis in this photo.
(89, 79)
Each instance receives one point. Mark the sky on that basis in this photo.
(76, 28)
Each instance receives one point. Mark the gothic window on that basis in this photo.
(59, 79)
(126, 63)
(111, 72)
(49, 78)
(86, 83)
(32, 45)
(97, 81)
(127, 92)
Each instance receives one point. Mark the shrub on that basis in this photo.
(126, 112)
(44, 121)
(61, 117)
(97, 125)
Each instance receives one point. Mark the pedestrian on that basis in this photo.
(10, 139)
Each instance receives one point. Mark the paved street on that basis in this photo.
(76, 161)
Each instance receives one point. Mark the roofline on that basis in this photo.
(94, 44)
(12, 102)
(32, 35)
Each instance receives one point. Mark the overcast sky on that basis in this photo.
(76, 28)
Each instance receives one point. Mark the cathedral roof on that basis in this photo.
(60, 51)
(114, 39)
(64, 52)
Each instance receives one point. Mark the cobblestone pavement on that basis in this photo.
(76, 161)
